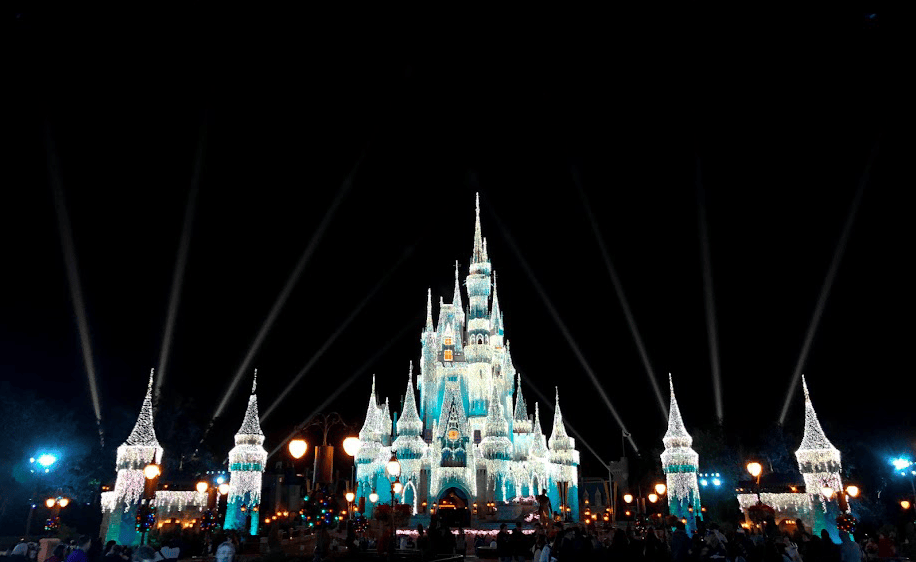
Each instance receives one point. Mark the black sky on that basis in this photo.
(780, 109)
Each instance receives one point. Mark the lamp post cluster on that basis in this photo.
(298, 447)
(654, 497)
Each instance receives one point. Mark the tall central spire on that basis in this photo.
(478, 255)
(814, 438)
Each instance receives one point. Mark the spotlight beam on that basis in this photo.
(333, 337)
(561, 325)
(73, 278)
(180, 261)
(828, 281)
(346, 384)
(621, 297)
(712, 332)
(287, 289)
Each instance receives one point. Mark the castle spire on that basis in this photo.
(409, 423)
(814, 437)
(251, 424)
(429, 310)
(456, 298)
(479, 251)
(559, 439)
(538, 442)
(496, 425)
(521, 409)
(495, 313)
(143, 433)
(677, 435)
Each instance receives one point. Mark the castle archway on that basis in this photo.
(454, 508)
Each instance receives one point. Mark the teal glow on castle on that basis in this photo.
(467, 436)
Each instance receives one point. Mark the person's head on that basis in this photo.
(844, 537)
(59, 551)
(84, 542)
(420, 529)
(680, 526)
(825, 536)
(146, 554)
(518, 524)
(544, 491)
(502, 527)
(20, 549)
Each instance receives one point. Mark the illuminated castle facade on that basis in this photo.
(465, 435)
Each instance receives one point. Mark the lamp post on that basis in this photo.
(902, 466)
(393, 468)
(151, 473)
(44, 462)
(351, 447)
(755, 469)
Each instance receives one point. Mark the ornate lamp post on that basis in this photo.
(151, 472)
(394, 469)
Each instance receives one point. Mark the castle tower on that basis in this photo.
(246, 465)
(680, 462)
(478, 287)
(819, 464)
(564, 461)
(497, 448)
(141, 449)
(410, 446)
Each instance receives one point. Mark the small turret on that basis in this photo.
(429, 311)
(818, 459)
(680, 462)
(538, 441)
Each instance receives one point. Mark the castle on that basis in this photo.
(467, 439)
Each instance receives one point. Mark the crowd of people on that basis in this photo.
(557, 542)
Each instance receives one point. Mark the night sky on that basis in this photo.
(781, 116)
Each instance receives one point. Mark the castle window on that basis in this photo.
(448, 341)
(477, 436)
(447, 355)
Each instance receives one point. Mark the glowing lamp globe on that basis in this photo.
(653, 498)
(63, 502)
(853, 491)
(351, 445)
(223, 489)
(754, 468)
(350, 497)
(297, 448)
(151, 471)
(49, 502)
(904, 504)
(660, 489)
(47, 460)
(373, 497)
(393, 467)
(628, 498)
(398, 487)
(828, 492)
(202, 487)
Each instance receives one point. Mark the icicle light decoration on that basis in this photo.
(140, 449)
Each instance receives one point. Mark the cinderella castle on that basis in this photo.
(465, 439)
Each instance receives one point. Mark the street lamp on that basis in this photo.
(202, 487)
(660, 489)
(852, 491)
(50, 502)
(755, 469)
(628, 498)
(393, 467)
(652, 498)
(151, 471)
(351, 445)
(223, 489)
(373, 496)
(904, 504)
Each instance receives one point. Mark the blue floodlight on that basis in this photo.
(901, 463)
(704, 482)
(716, 481)
(220, 479)
(47, 460)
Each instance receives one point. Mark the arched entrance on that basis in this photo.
(454, 508)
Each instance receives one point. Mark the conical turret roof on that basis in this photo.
(677, 435)
(251, 425)
(814, 438)
(559, 439)
(409, 423)
(429, 311)
(496, 424)
(538, 442)
(456, 296)
(144, 434)
(521, 408)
